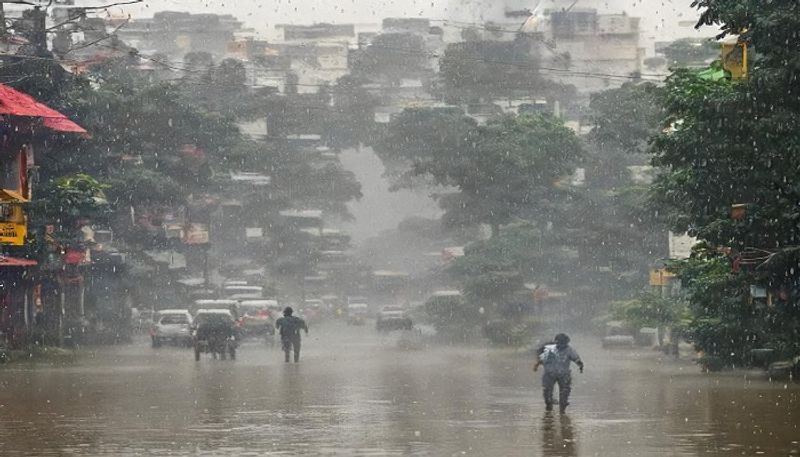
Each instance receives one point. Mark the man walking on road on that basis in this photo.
(289, 327)
(556, 358)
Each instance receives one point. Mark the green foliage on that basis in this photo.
(199, 61)
(474, 70)
(738, 142)
(142, 186)
(78, 195)
(300, 183)
(626, 117)
(42, 79)
(650, 310)
(516, 333)
(725, 150)
(724, 325)
(231, 75)
(494, 271)
(352, 118)
(500, 170)
(70, 200)
(452, 314)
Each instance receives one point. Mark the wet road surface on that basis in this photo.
(355, 394)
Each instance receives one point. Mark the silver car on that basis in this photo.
(172, 326)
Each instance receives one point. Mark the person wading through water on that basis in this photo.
(556, 358)
(289, 327)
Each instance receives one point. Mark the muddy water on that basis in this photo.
(354, 393)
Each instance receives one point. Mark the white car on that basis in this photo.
(172, 326)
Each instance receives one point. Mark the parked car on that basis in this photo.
(393, 318)
(172, 326)
(313, 309)
(242, 292)
(357, 313)
(214, 333)
(256, 318)
(230, 305)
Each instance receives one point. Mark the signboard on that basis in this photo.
(734, 59)
(680, 245)
(13, 233)
(13, 223)
(660, 277)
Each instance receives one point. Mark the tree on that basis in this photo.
(231, 75)
(475, 70)
(651, 310)
(352, 117)
(493, 273)
(68, 202)
(418, 136)
(730, 143)
(626, 117)
(392, 56)
(199, 61)
(499, 171)
(617, 235)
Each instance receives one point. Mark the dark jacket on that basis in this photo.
(290, 326)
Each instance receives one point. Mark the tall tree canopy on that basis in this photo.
(500, 170)
(472, 70)
(731, 143)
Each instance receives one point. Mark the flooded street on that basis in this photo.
(354, 393)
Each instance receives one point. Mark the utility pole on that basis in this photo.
(2, 20)
(39, 19)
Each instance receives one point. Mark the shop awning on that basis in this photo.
(11, 196)
(16, 262)
(16, 103)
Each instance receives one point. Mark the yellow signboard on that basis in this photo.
(13, 233)
(13, 222)
(660, 277)
(734, 59)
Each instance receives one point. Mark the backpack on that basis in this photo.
(547, 353)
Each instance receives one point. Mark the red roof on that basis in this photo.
(16, 262)
(16, 103)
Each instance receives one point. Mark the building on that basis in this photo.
(176, 33)
(419, 26)
(24, 126)
(317, 32)
(589, 50)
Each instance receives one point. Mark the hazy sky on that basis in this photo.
(380, 209)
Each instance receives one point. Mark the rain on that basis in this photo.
(380, 228)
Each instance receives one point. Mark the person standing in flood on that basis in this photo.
(556, 358)
(289, 327)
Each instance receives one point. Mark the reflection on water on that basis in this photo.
(558, 436)
(355, 393)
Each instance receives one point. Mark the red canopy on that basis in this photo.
(16, 103)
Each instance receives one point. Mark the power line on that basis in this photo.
(557, 71)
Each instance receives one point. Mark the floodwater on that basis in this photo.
(355, 394)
